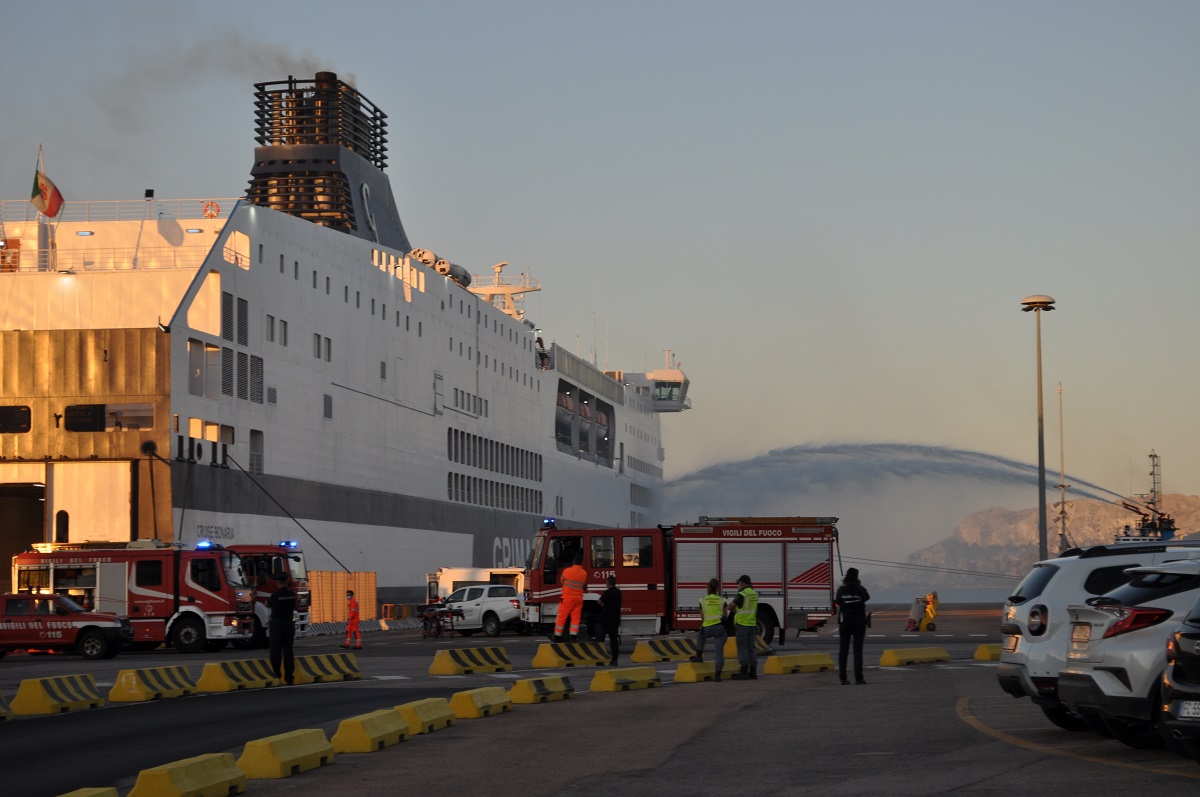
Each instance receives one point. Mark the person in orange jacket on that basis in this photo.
(352, 620)
(574, 579)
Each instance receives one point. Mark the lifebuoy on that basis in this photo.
(211, 209)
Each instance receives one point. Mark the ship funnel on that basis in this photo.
(321, 155)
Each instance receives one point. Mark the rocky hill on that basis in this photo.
(1005, 542)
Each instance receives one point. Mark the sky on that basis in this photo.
(829, 212)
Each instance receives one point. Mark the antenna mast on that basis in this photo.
(1064, 538)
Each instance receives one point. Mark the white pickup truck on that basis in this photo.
(487, 607)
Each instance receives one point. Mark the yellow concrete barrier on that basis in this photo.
(541, 690)
(151, 683)
(56, 695)
(903, 656)
(798, 662)
(285, 754)
(459, 661)
(760, 647)
(646, 651)
(426, 716)
(624, 679)
(230, 676)
(327, 667)
(368, 733)
(99, 791)
(482, 702)
(693, 672)
(989, 652)
(212, 774)
(551, 655)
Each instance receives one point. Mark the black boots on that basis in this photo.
(718, 678)
(746, 674)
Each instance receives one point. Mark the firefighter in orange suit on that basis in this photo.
(574, 579)
(352, 621)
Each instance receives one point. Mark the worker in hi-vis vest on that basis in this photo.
(744, 606)
(574, 579)
(712, 625)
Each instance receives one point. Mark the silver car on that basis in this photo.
(1117, 651)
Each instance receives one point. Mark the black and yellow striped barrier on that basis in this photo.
(624, 679)
(214, 773)
(56, 695)
(371, 732)
(903, 656)
(651, 650)
(230, 676)
(541, 690)
(570, 654)
(760, 647)
(285, 754)
(151, 683)
(426, 716)
(798, 662)
(460, 661)
(327, 667)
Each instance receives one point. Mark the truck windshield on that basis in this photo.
(296, 566)
(535, 555)
(234, 572)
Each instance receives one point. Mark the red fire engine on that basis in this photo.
(663, 572)
(195, 600)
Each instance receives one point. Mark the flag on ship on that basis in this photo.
(45, 197)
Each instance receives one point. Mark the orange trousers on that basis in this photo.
(572, 607)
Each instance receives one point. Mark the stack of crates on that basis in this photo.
(328, 589)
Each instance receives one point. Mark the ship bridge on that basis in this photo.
(665, 387)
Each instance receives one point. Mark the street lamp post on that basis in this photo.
(1037, 303)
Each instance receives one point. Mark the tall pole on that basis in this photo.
(1037, 304)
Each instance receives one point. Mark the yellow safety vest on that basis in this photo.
(748, 613)
(710, 607)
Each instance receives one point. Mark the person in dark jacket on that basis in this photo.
(610, 616)
(851, 602)
(282, 605)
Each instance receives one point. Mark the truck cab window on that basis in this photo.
(148, 573)
(204, 574)
(602, 552)
(637, 551)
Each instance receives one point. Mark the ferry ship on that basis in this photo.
(287, 366)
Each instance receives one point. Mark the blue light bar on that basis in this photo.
(203, 545)
(289, 544)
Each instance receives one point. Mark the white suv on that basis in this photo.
(486, 607)
(1118, 651)
(1037, 630)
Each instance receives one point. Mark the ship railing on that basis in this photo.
(32, 261)
(13, 211)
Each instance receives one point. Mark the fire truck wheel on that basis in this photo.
(766, 629)
(491, 625)
(189, 635)
(92, 645)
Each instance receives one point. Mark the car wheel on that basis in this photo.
(189, 635)
(491, 624)
(1138, 734)
(92, 645)
(1065, 718)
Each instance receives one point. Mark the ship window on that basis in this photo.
(328, 406)
(346, 295)
(270, 333)
(14, 419)
(327, 286)
(358, 298)
(281, 263)
(372, 307)
(316, 345)
(260, 252)
(314, 279)
(296, 269)
(282, 332)
(328, 350)
(382, 369)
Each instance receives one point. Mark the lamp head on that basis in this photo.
(1039, 301)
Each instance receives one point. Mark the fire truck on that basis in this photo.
(663, 572)
(195, 600)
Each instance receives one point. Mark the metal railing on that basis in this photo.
(13, 211)
(115, 259)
